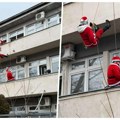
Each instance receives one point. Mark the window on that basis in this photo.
(16, 34)
(42, 67)
(54, 64)
(87, 75)
(39, 26)
(18, 72)
(96, 79)
(95, 61)
(77, 83)
(30, 29)
(13, 70)
(2, 75)
(21, 71)
(78, 65)
(53, 20)
(33, 68)
(4, 38)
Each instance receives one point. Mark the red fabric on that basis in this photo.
(2, 55)
(90, 39)
(113, 73)
(9, 75)
(115, 58)
(2, 42)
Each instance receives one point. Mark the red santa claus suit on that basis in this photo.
(90, 39)
(9, 75)
(113, 72)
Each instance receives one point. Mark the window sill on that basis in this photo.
(90, 93)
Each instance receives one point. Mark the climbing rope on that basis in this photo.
(96, 12)
(101, 63)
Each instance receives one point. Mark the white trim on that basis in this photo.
(115, 64)
(82, 28)
(116, 60)
(85, 70)
(114, 84)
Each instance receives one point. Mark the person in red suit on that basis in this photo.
(2, 42)
(3, 56)
(113, 72)
(9, 74)
(91, 34)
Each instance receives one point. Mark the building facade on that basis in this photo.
(32, 44)
(84, 71)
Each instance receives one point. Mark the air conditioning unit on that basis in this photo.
(46, 101)
(40, 16)
(69, 53)
(21, 59)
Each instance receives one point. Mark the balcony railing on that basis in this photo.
(30, 86)
(32, 41)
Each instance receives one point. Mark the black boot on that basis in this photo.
(107, 25)
(94, 26)
(6, 56)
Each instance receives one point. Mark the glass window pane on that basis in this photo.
(95, 61)
(21, 74)
(33, 71)
(4, 37)
(12, 34)
(30, 29)
(77, 83)
(2, 77)
(2, 70)
(96, 80)
(55, 64)
(14, 74)
(34, 63)
(78, 65)
(13, 68)
(20, 31)
(42, 62)
(53, 20)
(20, 66)
(39, 26)
(55, 67)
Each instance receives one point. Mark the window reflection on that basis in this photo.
(96, 80)
(77, 83)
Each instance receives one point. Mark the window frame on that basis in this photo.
(16, 34)
(52, 57)
(85, 70)
(58, 20)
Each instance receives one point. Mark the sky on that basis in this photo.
(8, 9)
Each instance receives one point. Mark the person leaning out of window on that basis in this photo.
(113, 72)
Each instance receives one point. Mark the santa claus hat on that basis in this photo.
(84, 20)
(116, 59)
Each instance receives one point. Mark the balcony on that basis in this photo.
(91, 104)
(39, 41)
(30, 86)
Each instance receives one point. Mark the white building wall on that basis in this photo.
(91, 105)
